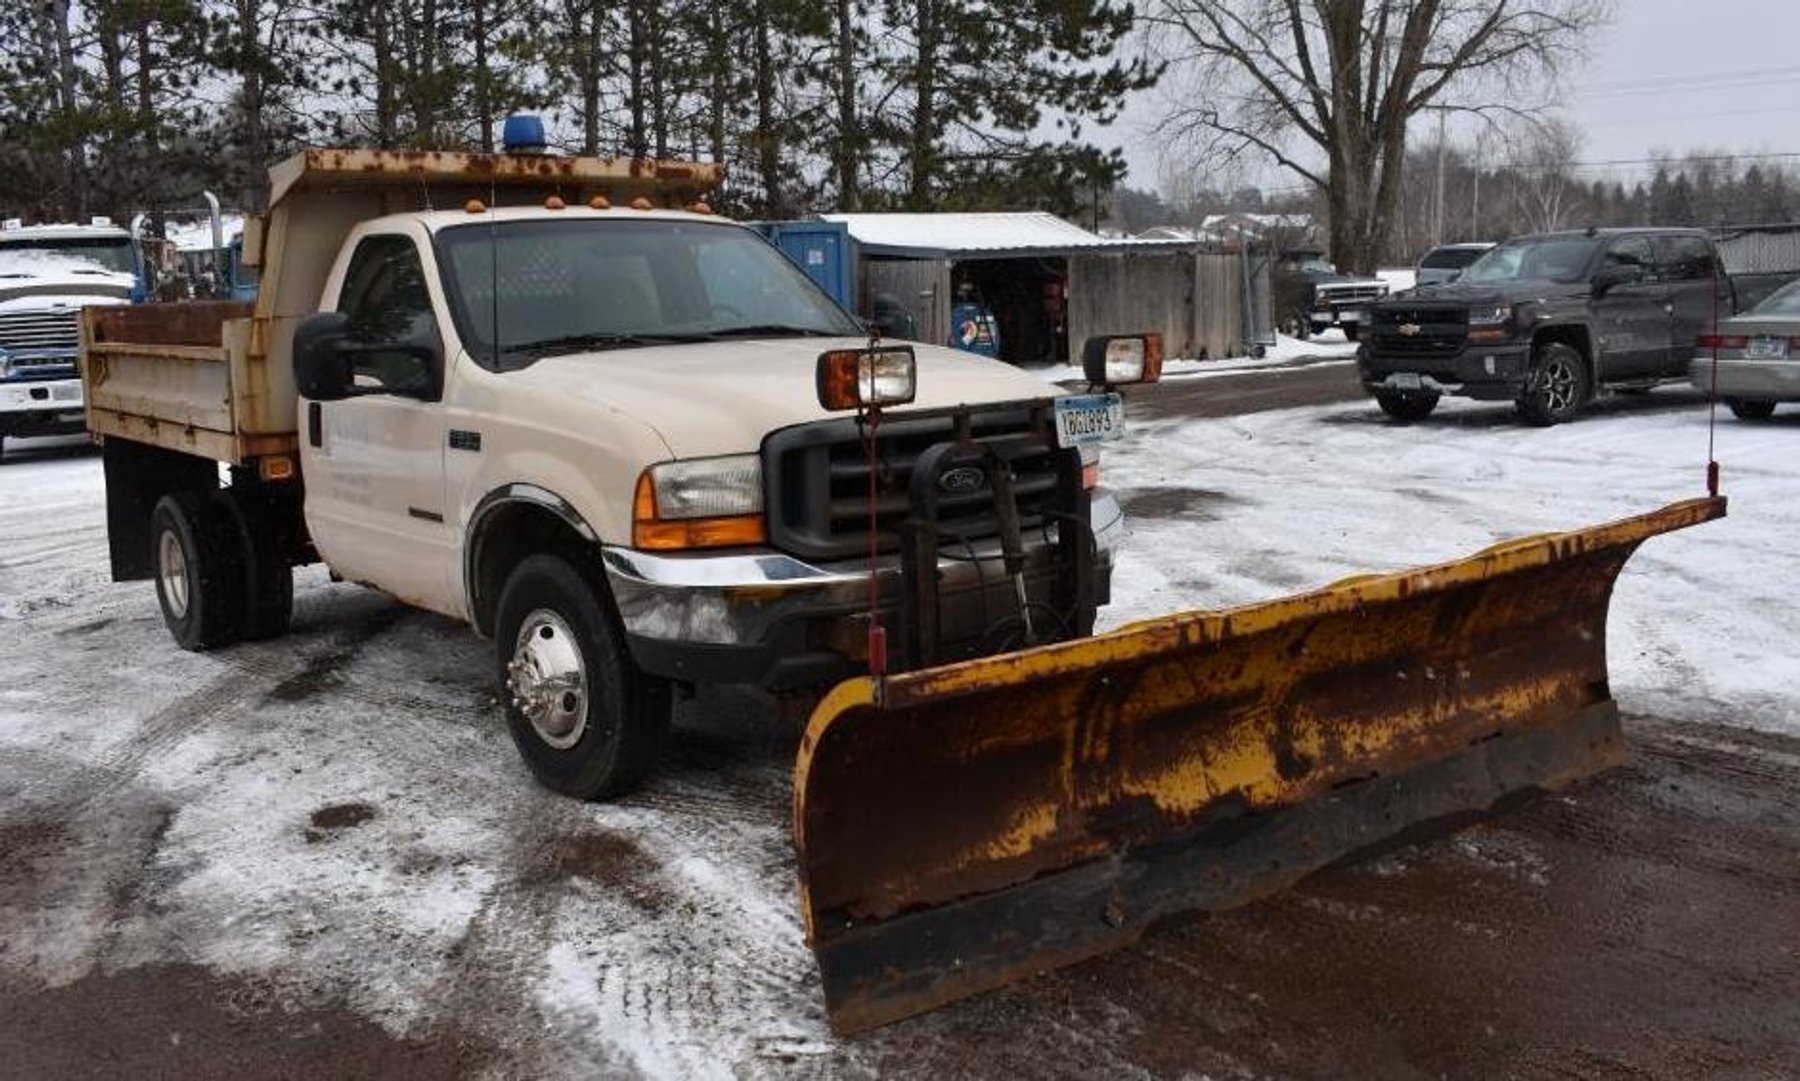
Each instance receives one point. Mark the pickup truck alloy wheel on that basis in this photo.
(586, 720)
(1556, 386)
(547, 680)
(199, 559)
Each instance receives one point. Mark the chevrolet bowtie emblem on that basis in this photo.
(1409, 329)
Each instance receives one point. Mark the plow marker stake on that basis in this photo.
(992, 819)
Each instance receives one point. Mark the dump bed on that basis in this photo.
(216, 378)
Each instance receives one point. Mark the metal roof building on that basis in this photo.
(1049, 283)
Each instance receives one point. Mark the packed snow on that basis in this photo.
(340, 816)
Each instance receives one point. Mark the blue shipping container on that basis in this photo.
(821, 249)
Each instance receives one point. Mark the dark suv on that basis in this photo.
(1547, 322)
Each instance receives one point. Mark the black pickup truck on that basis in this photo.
(1548, 322)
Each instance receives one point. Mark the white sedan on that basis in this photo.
(1757, 356)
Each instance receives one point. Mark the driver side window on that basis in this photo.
(385, 297)
(1634, 252)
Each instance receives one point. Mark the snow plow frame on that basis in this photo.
(964, 826)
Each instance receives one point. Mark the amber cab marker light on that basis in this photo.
(600, 202)
(475, 206)
(642, 203)
(554, 202)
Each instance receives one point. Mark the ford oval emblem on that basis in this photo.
(962, 480)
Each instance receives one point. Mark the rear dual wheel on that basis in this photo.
(218, 580)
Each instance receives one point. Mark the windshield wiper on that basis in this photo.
(574, 342)
(772, 330)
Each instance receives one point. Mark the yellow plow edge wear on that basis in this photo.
(985, 820)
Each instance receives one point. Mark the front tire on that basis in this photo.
(1407, 405)
(200, 571)
(1749, 409)
(585, 719)
(1556, 387)
(1352, 331)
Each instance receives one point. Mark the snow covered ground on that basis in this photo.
(339, 815)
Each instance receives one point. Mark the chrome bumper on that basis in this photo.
(742, 598)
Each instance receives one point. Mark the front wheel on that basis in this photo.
(1407, 405)
(1555, 387)
(585, 719)
(1749, 409)
(1352, 331)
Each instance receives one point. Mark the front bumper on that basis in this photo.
(766, 618)
(41, 405)
(1487, 372)
(1756, 380)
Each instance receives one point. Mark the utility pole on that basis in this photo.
(1437, 220)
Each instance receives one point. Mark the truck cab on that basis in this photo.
(623, 437)
(48, 273)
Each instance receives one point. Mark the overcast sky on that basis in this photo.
(1666, 75)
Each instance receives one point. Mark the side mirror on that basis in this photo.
(321, 365)
(1613, 275)
(326, 357)
(1114, 359)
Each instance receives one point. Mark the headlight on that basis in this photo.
(1487, 317)
(853, 378)
(1112, 360)
(700, 503)
(707, 487)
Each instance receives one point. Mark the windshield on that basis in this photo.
(1450, 258)
(1557, 258)
(569, 286)
(1783, 301)
(107, 253)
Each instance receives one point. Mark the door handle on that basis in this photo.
(315, 425)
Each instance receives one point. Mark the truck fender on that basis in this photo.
(490, 511)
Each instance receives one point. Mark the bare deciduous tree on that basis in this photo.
(1341, 79)
(1547, 189)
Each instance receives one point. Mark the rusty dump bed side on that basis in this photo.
(217, 380)
(987, 820)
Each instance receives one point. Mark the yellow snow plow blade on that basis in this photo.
(979, 822)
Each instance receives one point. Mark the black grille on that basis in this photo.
(1409, 331)
(817, 477)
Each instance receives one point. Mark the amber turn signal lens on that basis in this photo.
(652, 534)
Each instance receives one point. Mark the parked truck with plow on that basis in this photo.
(559, 399)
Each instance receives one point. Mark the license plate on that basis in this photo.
(1085, 419)
(1765, 348)
(1404, 380)
(1356, 315)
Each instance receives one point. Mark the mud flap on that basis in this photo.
(976, 823)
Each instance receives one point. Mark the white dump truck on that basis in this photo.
(48, 273)
(559, 399)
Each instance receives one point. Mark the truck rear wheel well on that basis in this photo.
(506, 533)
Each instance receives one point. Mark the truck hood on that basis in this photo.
(71, 281)
(724, 397)
(1476, 294)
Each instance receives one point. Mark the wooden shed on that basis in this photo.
(1049, 283)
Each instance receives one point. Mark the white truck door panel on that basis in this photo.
(375, 502)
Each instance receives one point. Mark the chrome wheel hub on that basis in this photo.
(171, 568)
(1557, 384)
(547, 679)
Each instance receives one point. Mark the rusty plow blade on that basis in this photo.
(992, 819)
